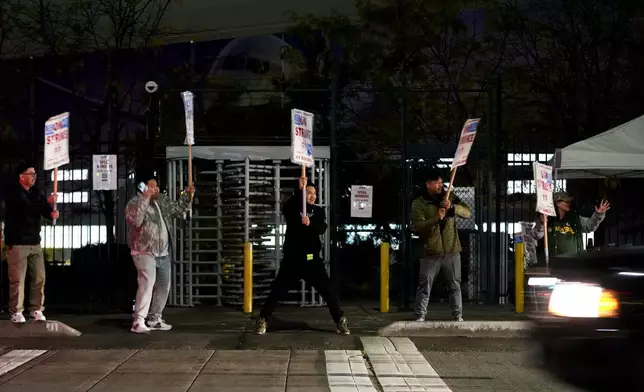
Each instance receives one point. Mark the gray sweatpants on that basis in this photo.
(154, 286)
(429, 267)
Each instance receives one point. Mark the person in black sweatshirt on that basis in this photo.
(302, 257)
(25, 206)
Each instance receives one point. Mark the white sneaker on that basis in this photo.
(139, 327)
(459, 318)
(420, 319)
(18, 318)
(158, 325)
(37, 315)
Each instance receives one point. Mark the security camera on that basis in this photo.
(151, 87)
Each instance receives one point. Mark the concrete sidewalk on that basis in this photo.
(363, 319)
(375, 364)
(480, 321)
(218, 327)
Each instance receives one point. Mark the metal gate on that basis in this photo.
(240, 192)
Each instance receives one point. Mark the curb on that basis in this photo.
(457, 328)
(36, 329)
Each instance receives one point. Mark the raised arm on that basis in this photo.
(178, 208)
(589, 225)
(135, 211)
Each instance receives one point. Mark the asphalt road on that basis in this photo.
(470, 364)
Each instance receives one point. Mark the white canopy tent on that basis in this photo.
(617, 153)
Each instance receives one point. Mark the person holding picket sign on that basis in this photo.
(434, 221)
(149, 215)
(566, 228)
(302, 257)
(25, 207)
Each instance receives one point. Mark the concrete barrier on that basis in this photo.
(457, 328)
(36, 329)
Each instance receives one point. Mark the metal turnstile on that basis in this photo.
(237, 200)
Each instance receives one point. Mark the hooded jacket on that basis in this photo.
(439, 237)
(24, 209)
(301, 240)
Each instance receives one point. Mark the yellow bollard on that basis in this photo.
(384, 277)
(248, 277)
(519, 276)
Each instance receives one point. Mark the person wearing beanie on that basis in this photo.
(149, 215)
(434, 221)
(25, 207)
(302, 257)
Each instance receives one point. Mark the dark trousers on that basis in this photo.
(429, 268)
(294, 268)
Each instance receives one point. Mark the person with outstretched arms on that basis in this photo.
(302, 259)
(565, 230)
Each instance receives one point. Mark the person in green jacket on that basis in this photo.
(434, 221)
(566, 228)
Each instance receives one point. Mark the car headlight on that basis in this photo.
(583, 300)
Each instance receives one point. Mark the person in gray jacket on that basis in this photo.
(149, 214)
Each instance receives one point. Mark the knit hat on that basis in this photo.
(561, 196)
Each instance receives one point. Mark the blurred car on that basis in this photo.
(592, 335)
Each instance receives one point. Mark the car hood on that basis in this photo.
(621, 271)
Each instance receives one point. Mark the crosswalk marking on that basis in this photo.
(15, 358)
(399, 366)
(347, 371)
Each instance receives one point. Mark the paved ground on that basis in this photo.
(213, 349)
(364, 364)
(223, 328)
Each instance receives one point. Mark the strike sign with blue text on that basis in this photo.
(545, 188)
(465, 142)
(57, 141)
(301, 137)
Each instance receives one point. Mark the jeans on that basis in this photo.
(154, 286)
(23, 258)
(294, 268)
(429, 267)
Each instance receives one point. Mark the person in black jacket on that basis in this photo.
(25, 206)
(302, 257)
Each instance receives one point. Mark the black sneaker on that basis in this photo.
(260, 328)
(342, 327)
